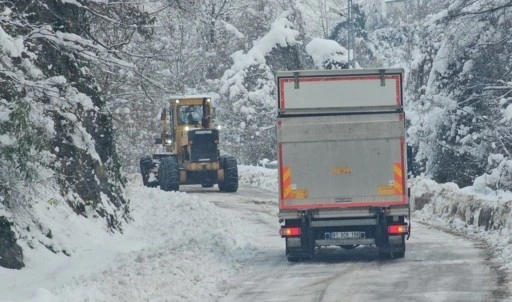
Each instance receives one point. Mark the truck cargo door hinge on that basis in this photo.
(296, 80)
(382, 77)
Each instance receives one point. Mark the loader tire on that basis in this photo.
(169, 174)
(146, 164)
(230, 183)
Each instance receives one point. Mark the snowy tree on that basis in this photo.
(327, 54)
(247, 108)
(57, 145)
(322, 15)
(461, 117)
(184, 49)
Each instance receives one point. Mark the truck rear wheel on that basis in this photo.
(400, 254)
(230, 183)
(292, 259)
(169, 174)
(396, 251)
(146, 163)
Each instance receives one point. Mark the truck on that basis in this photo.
(190, 152)
(342, 161)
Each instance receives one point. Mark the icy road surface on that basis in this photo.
(437, 267)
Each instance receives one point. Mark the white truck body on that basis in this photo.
(342, 158)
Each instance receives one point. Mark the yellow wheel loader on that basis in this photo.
(190, 149)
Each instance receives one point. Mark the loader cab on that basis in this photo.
(189, 114)
(192, 112)
(183, 121)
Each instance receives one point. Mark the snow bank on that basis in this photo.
(259, 177)
(178, 247)
(190, 252)
(485, 217)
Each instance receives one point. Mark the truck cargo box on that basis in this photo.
(341, 139)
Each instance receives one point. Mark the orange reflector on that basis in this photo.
(397, 229)
(294, 231)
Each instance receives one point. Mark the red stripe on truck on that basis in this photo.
(280, 165)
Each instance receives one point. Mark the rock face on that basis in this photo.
(11, 255)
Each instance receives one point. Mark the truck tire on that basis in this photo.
(400, 254)
(395, 254)
(230, 183)
(292, 259)
(146, 164)
(169, 174)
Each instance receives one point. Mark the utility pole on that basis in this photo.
(350, 33)
(350, 37)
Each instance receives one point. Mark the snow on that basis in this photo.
(232, 29)
(179, 247)
(9, 45)
(71, 2)
(4, 112)
(482, 215)
(6, 140)
(507, 115)
(281, 33)
(321, 50)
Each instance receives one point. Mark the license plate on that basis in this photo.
(344, 235)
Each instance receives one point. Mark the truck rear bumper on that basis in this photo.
(396, 210)
(363, 241)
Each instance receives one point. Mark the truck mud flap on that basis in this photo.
(306, 248)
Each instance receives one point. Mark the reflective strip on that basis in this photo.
(399, 180)
(287, 182)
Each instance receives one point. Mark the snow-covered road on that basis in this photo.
(203, 245)
(437, 267)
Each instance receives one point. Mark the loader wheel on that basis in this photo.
(230, 183)
(169, 174)
(146, 164)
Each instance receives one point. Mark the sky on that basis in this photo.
(164, 249)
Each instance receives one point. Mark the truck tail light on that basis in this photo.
(398, 229)
(289, 231)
